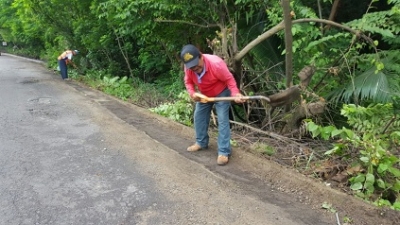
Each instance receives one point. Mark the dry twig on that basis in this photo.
(271, 134)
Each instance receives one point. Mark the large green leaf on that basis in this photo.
(369, 85)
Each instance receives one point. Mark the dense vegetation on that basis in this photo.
(346, 55)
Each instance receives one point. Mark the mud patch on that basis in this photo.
(28, 80)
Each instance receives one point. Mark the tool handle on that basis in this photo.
(205, 99)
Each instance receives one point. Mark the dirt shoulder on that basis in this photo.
(263, 178)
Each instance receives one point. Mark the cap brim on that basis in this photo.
(192, 63)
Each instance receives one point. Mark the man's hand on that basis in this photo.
(196, 97)
(239, 98)
(200, 98)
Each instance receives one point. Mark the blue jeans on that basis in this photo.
(202, 115)
(63, 69)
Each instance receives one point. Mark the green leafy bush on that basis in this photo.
(373, 140)
(181, 110)
(119, 87)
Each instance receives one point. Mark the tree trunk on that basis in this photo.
(288, 45)
(334, 10)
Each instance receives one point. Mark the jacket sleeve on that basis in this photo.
(189, 83)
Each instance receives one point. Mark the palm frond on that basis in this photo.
(369, 85)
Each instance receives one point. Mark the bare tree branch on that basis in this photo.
(280, 26)
(320, 15)
(334, 10)
(358, 33)
(269, 133)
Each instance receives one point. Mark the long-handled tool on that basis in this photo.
(205, 99)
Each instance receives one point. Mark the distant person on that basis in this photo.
(64, 60)
(210, 75)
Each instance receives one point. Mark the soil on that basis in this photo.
(288, 170)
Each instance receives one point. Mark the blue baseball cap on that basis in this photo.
(190, 56)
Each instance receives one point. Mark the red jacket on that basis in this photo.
(216, 78)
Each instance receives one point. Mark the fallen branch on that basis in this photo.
(337, 218)
(271, 134)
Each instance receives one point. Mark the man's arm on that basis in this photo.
(189, 84)
(190, 87)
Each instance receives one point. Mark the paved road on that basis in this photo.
(70, 155)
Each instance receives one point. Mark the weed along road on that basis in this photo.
(72, 155)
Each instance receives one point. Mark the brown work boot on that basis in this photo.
(222, 160)
(194, 148)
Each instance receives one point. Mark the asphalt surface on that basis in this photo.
(70, 155)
